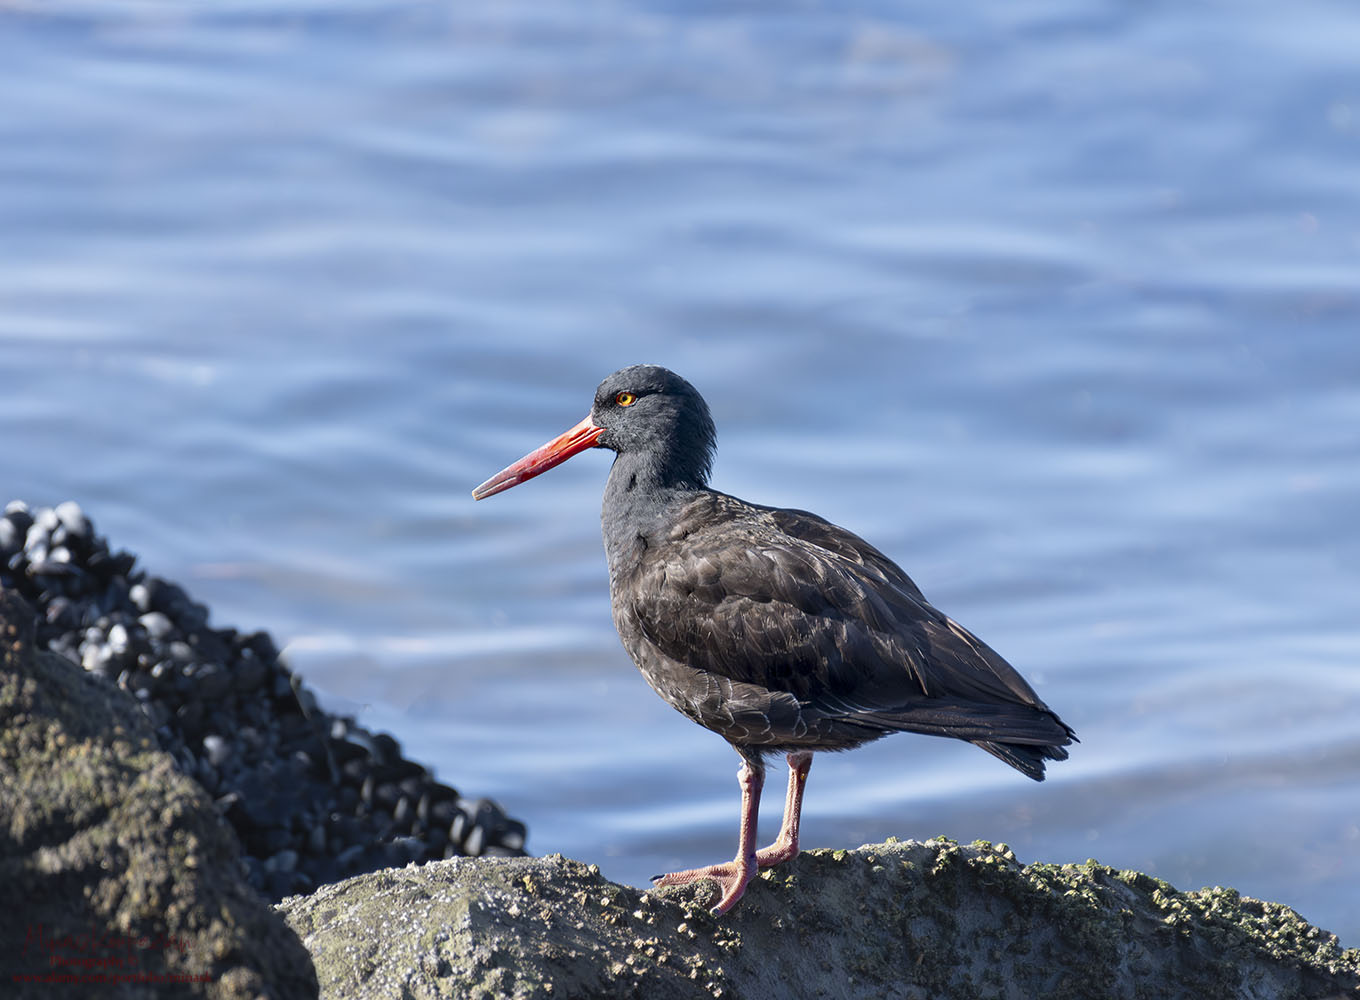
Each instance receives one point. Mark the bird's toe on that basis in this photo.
(731, 877)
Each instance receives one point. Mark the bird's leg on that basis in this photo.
(732, 876)
(785, 845)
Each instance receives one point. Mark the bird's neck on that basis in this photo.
(641, 491)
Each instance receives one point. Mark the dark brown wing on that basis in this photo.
(789, 603)
(833, 538)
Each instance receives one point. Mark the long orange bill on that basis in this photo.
(540, 460)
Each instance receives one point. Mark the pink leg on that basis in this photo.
(732, 876)
(785, 845)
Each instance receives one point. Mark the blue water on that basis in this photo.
(1055, 302)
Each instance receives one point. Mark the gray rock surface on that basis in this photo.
(313, 796)
(909, 920)
(119, 877)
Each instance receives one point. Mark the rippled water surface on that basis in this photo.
(1055, 302)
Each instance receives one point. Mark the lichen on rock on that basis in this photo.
(123, 879)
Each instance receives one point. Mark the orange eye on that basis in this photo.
(625, 399)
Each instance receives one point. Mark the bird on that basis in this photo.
(774, 628)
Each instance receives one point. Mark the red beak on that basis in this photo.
(540, 460)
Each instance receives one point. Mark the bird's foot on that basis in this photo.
(732, 877)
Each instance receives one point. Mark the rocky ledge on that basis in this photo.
(120, 878)
(313, 796)
(930, 920)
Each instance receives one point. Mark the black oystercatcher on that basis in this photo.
(774, 628)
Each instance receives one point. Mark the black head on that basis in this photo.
(649, 410)
(645, 412)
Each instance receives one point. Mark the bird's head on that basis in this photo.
(642, 410)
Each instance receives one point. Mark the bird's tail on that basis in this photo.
(1026, 758)
(1023, 736)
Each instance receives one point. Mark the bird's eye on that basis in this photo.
(625, 399)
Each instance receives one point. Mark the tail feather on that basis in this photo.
(1021, 735)
(1028, 759)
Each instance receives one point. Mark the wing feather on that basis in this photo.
(787, 602)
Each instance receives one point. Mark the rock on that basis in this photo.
(157, 625)
(114, 861)
(219, 751)
(148, 636)
(9, 536)
(73, 518)
(928, 921)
